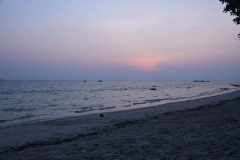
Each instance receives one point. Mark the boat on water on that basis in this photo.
(200, 81)
(235, 85)
(100, 81)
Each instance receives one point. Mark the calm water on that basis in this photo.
(22, 101)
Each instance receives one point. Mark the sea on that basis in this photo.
(30, 101)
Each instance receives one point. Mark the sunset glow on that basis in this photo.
(148, 64)
(90, 39)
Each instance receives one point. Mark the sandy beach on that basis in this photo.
(205, 128)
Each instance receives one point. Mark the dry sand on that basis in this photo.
(198, 129)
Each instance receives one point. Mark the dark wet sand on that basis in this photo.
(210, 130)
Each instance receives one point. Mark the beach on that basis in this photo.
(119, 80)
(206, 128)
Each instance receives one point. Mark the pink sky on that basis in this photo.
(143, 36)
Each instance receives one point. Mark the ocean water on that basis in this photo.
(22, 101)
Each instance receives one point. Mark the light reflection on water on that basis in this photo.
(29, 100)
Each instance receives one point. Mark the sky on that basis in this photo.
(118, 40)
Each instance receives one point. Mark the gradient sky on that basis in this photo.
(117, 40)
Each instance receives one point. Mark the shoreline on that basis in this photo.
(39, 118)
(54, 133)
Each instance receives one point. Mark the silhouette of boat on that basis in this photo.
(200, 81)
(235, 85)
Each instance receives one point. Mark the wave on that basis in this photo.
(18, 109)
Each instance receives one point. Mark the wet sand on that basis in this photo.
(198, 129)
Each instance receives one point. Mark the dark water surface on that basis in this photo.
(22, 101)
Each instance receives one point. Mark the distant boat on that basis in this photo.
(153, 89)
(235, 85)
(200, 81)
(100, 81)
(84, 81)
